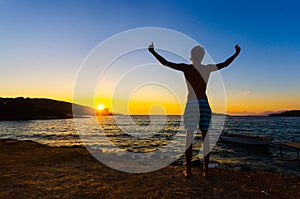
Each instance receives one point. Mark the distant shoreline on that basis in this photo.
(292, 113)
(40, 108)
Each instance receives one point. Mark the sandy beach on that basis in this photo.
(32, 170)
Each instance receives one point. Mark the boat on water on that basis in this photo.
(246, 139)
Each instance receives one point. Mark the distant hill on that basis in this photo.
(38, 108)
(293, 113)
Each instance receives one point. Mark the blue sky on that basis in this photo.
(43, 44)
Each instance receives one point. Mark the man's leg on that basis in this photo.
(206, 151)
(189, 152)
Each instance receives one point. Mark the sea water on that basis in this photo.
(143, 134)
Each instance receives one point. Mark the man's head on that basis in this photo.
(197, 54)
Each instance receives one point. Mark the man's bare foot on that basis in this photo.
(204, 173)
(186, 174)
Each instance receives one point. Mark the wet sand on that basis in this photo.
(32, 170)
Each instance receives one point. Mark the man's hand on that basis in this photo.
(151, 47)
(237, 49)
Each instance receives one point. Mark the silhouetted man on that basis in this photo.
(197, 114)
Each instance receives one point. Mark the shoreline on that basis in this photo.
(32, 170)
(196, 162)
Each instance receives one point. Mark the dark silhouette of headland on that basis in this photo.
(292, 113)
(38, 108)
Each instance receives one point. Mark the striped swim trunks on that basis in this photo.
(197, 114)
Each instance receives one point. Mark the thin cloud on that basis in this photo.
(246, 92)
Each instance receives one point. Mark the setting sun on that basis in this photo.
(100, 107)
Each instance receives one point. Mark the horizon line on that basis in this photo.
(229, 113)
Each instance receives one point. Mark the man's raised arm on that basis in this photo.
(230, 59)
(163, 61)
